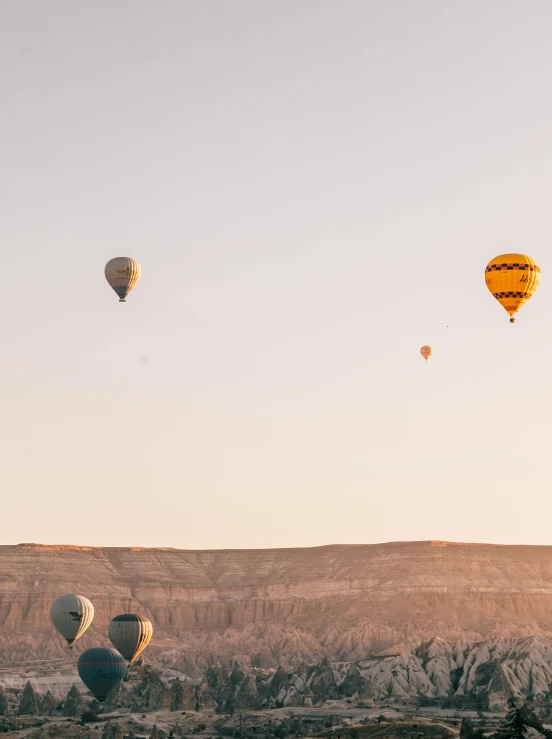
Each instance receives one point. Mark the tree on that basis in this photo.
(466, 730)
(515, 724)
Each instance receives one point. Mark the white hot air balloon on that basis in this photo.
(72, 615)
(123, 274)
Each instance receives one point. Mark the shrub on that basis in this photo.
(89, 717)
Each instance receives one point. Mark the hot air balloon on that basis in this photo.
(101, 669)
(123, 274)
(512, 279)
(71, 615)
(130, 634)
(426, 352)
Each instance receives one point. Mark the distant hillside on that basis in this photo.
(279, 606)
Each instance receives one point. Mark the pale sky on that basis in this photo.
(313, 189)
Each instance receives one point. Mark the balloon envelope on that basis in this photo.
(426, 352)
(512, 279)
(130, 634)
(123, 274)
(71, 615)
(101, 669)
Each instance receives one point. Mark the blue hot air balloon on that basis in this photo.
(101, 669)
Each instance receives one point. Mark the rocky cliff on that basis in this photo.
(278, 606)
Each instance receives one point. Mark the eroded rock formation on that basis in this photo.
(29, 705)
(280, 606)
(74, 703)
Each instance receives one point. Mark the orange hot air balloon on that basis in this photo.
(426, 352)
(512, 279)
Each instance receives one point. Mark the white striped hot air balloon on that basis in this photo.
(123, 274)
(130, 634)
(71, 615)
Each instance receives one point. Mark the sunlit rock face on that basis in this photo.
(274, 607)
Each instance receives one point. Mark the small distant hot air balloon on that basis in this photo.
(123, 274)
(512, 279)
(71, 615)
(130, 634)
(426, 352)
(101, 669)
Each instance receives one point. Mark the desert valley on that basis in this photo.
(374, 638)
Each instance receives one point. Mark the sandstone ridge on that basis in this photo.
(279, 606)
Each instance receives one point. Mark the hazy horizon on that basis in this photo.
(313, 191)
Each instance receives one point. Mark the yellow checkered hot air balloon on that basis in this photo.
(512, 279)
